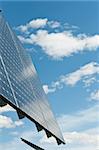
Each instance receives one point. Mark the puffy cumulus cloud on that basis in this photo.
(22, 28)
(35, 24)
(86, 70)
(38, 23)
(94, 95)
(54, 24)
(25, 40)
(85, 73)
(7, 122)
(62, 44)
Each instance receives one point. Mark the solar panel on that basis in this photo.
(20, 84)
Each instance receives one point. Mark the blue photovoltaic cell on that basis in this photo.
(19, 82)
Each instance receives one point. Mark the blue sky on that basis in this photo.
(63, 41)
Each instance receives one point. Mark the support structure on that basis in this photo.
(32, 145)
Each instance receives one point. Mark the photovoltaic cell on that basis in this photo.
(20, 84)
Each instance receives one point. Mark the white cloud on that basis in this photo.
(22, 28)
(81, 138)
(35, 24)
(48, 90)
(54, 24)
(25, 40)
(7, 122)
(62, 44)
(86, 70)
(95, 95)
(88, 81)
(6, 108)
(38, 23)
(85, 73)
(43, 23)
(80, 119)
(18, 123)
(58, 44)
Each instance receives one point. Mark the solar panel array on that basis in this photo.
(19, 82)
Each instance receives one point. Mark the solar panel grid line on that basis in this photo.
(8, 80)
(6, 90)
(6, 93)
(6, 71)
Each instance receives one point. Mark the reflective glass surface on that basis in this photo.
(19, 82)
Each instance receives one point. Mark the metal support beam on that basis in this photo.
(20, 114)
(59, 141)
(48, 134)
(32, 145)
(38, 126)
